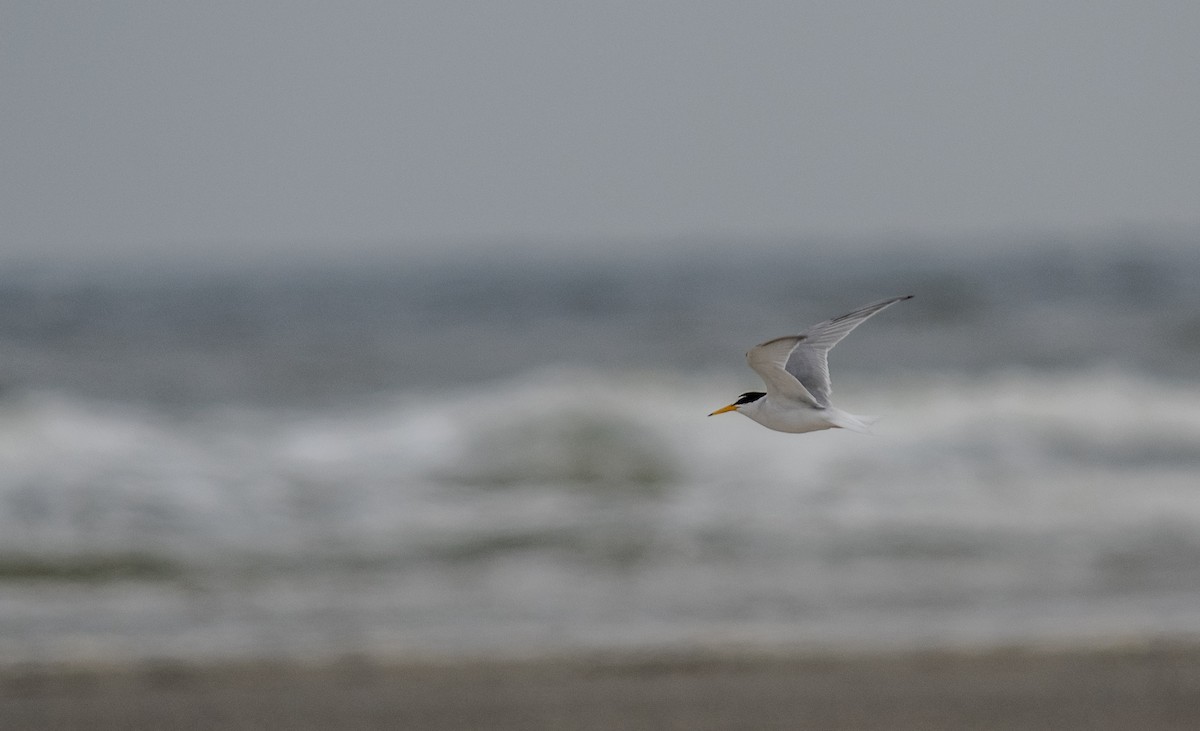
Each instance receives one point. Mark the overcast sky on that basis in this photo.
(276, 126)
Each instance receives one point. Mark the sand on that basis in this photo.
(1149, 687)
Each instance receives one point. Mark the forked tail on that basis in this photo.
(846, 420)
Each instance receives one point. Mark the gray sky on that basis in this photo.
(276, 126)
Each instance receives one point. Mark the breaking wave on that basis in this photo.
(1023, 448)
(606, 505)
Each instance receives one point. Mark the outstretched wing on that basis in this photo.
(768, 360)
(807, 360)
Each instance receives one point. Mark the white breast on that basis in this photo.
(791, 416)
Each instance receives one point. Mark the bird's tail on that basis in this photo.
(845, 420)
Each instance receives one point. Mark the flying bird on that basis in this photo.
(796, 372)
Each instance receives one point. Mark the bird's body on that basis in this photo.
(781, 415)
(796, 371)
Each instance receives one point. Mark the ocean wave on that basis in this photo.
(601, 505)
(1013, 449)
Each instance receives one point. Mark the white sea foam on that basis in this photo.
(1012, 446)
(606, 506)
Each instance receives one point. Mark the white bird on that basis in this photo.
(796, 372)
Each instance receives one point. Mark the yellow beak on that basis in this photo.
(723, 409)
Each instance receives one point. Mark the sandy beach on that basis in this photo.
(1146, 687)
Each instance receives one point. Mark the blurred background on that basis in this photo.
(391, 329)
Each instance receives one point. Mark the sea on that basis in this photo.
(509, 453)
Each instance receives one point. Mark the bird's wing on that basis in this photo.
(807, 361)
(768, 360)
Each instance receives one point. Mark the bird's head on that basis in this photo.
(750, 397)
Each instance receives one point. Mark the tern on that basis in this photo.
(796, 371)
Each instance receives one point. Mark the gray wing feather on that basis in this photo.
(808, 361)
(768, 360)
